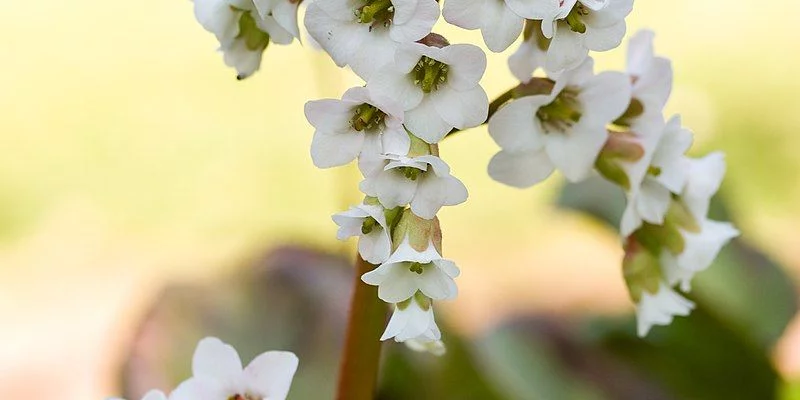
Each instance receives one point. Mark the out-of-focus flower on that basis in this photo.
(413, 320)
(660, 308)
(368, 222)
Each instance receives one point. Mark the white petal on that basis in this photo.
(342, 10)
(394, 189)
(392, 85)
(605, 97)
(640, 52)
(436, 284)
(239, 56)
(653, 202)
(339, 39)
(375, 51)
(403, 10)
(566, 51)
(217, 17)
(395, 140)
(335, 149)
(467, 64)
(330, 114)
(425, 122)
(705, 178)
(399, 285)
(514, 127)
(520, 170)
(461, 109)
(430, 196)
(270, 374)
(502, 26)
(199, 389)
(701, 249)
(535, 9)
(376, 246)
(154, 395)
(425, 16)
(456, 191)
(467, 14)
(216, 360)
(659, 309)
(614, 12)
(575, 152)
(606, 38)
(526, 60)
(277, 33)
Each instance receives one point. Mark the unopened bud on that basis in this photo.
(434, 40)
(641, 269)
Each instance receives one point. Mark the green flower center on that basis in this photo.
(561, 113)
(410, 173)
(417, 267)
(575, 18)
(375, 12)
(367, 117)
(429, 74)
(369, 225)
(254, 38)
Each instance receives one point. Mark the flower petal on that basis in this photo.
(520, 170)
(270, 374)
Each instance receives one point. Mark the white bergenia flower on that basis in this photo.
(408, 271)
(364, 34)
(498, 24)
(413, 320)
(651, 75)
(565, 129)
(283, 11)
(355, 125)
(700, 250)
(439, 88)
(531, 54)
(243, 32)
(218, 374)
(660, 308)
(660, 173)
(151, 395)
(422, 182)
(576, 27)
(368, 222)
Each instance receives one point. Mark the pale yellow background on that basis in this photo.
(129, 156)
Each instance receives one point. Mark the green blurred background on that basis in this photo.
(131, 158)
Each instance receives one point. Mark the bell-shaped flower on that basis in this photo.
(564, 130)
(218, 374)
(439, 88)
(358, 124)
(498, 24)
(368, 223)
(409, 270)
(364, 34)
(660, 308)
(531, 53)
(700, 250)
(422, 182)
(413, 320)
(243, 32)
(657, 176)
(651, 76)
(576, 27)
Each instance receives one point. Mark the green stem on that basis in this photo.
(358, 373)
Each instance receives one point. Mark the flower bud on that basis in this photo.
(421, 232)
(641, 269)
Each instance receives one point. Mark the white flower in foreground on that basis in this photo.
(243, 32)
(498, 24)
(355, 125)
(408, 271)
(439, 88)
(531, 54)
(368, 222)
(151, 395)
(413, 320)
(576, 27)
(659, 175)
(364, 34)
(651, 75)
(660, 308)
(565, 129)
(218, 374)
(422, 182)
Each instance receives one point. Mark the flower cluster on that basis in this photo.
(392, 126)
(218, 375)
(244, 28)
(612, 123)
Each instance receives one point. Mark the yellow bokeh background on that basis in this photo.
(130, 157)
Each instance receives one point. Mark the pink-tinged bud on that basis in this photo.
(624, 146)
(434, 40)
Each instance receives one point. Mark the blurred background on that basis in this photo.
(148, 199)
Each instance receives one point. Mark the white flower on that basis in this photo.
(565, 129)
(656, 176)
(364, 34)
(439, 88)
(651, 75)
(705, 176)
(408, 271)
(368, 222)
(660, 308)
(498, 24)
(413, 320)
(425, 345)
(531, 54)
(283, 11)
(423, 182)
(355, 125)
(151, 395)
(700, 250)
(576, 27)
(218, 374)
(243, 32)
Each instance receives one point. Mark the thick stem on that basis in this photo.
(358, 373)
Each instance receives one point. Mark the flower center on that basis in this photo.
(368, 225)
(429, 74)
(417, 267)
(367, 118)
(575, 18)
(410, 173)
(254, 38)
(375, 12)
(560, 114)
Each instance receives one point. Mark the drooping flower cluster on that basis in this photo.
(392, 127)
(613, 123)
(219, 375)
(244, 28)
